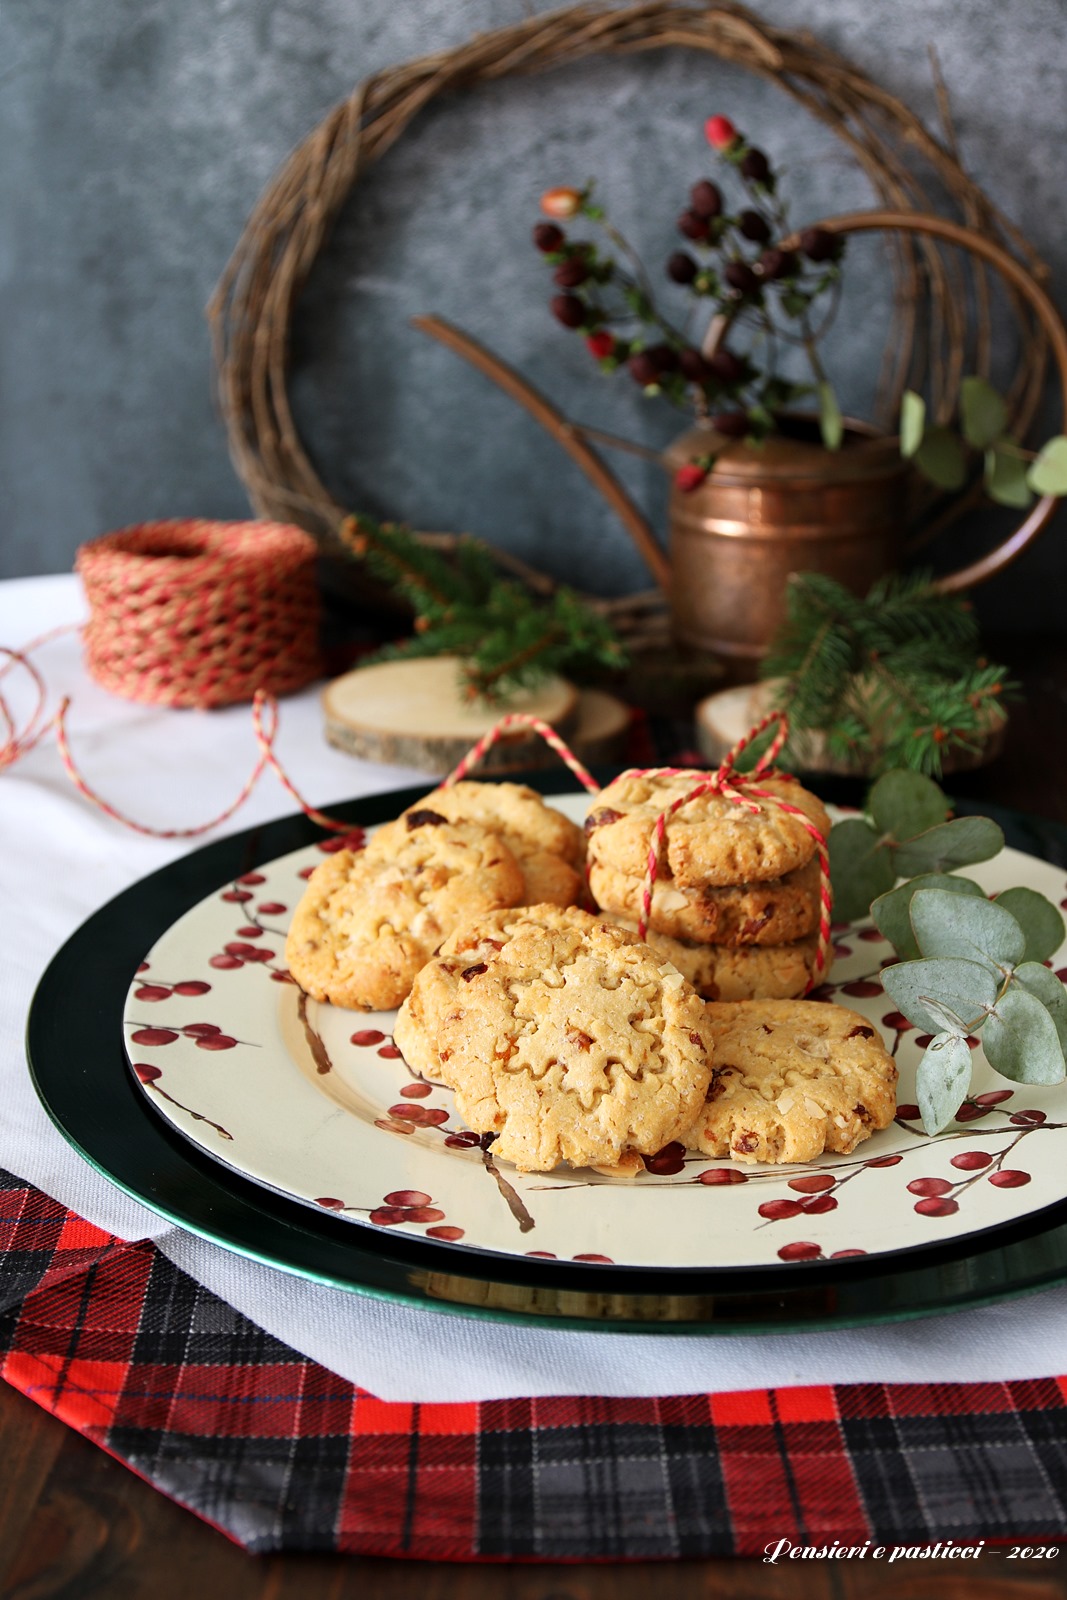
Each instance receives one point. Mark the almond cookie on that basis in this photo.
(548, 846)
(573, 1043)
(710, 841)
(792, 1079)
(775, 912)
(735, 972)
(368, 922)
(438, 988)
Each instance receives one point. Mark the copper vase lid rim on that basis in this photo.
(866, 453)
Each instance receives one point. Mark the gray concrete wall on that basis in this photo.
(135, 136)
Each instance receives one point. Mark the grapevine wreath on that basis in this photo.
(942, 311)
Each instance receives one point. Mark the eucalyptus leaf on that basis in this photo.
(942, 1080)
(983, 414)
(977, 930)
(890, 911)
(830, 424)
(1039, 920)
(1048, 474)
(1005, 478)
(912, 422)
(1046, 987)
(950, 844)
(967, 989)
(905, 803)
(1021, 1041)
(942, 458)
(860, 868)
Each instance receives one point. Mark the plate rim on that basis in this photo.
(918, 1280)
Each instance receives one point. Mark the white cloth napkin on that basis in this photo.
(61, 859)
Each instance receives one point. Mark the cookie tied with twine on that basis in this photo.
(201, 614)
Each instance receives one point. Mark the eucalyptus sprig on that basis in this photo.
(942, 453)
(969, 964)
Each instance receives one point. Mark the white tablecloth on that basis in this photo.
(62, 859)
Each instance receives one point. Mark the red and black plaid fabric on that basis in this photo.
(283, 1455)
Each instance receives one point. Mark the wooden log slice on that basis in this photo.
(413, 714)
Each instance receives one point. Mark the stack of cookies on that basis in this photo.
(369, 920)
(735, 905)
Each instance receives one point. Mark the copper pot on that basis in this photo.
(786, 504)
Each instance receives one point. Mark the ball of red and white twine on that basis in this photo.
(201, 614)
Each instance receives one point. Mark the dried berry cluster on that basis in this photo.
(758, 294)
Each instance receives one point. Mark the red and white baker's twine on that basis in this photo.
(726, 781)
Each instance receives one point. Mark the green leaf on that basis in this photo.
(1048, 474)
(912, 422)
(942, 1080)
(906, 803)
(795, 302)
(927, 991)
(950, 844)
(1005, 478)
(1046, 987)
(860, 868)
(1021, 1041)
(942, 458)
(977, 930)
(830, 424)
(1039, 920)
(983, 414)
(890, 911)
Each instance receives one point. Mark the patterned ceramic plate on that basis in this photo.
(317, 1103)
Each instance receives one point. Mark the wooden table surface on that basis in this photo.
(75, 1523)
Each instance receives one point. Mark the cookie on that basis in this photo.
(572, 1043)
(547, 845)
(440, 984)
(792, 1079)
(775, 912)
(516, 813)
(710, 841)
(368, 922)
(735, 972)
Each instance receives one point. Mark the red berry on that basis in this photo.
(929, 1186)
(885, 1161)
(151, 991)
(642, 368)
(1009, 1178)
(272, 908)
(936, 1208)
(993, 1097)
(444, 1233)
(416, 1091)
(754, 227)
(694, 227)
(146, 1073)
(389, 1052)
(693, 366)
(818, 244)
(969, 1113)
(251, 932)
(251, 877)
(705, 198)
(720, 132)
(568, 309)
(154, 1036)
(1031, 1119)
(774, 264)
(601, 345)
(216, 1041)
(715, 1176)
(407, 1197)
(689, 477)
(839, 1254)
(800, 1250)
(236, 895)
(740, 276)
(388, 1216)
(569, 274)
(330, 1203)
(604, 1261)
(908, 1113)
(547, 237)
(971, 1160)
(725, 366)
(368, 1036)
(681, 267)
(814, 1184)
(225, 963)
(192, 986)
(755, 166)
(779, 1210)
(818, 1204)
(668, 1160)
(201, 1030)
(563, 202)
(863, 988)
